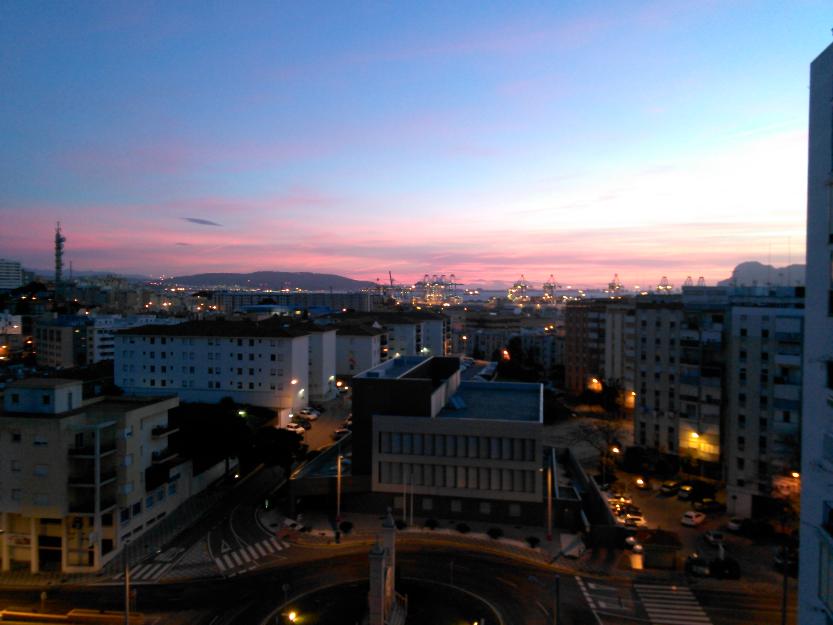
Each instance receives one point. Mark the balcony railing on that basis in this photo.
(161, 431)
(87, 505)
(89, 451)
(163, 455)
(87, 478)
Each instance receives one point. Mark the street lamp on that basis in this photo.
(338, 489)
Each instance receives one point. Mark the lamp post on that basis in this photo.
(549, 502)
(338, 489)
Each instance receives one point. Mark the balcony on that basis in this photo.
(163, 455)
(787, 391)
(89, 451)
(788, 360)
(163, 431)
(86, 505)
(87, 479)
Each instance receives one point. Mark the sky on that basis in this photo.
(488, 140)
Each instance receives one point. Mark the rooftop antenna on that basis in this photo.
(60, 239)
(688, 282)
(701, 281)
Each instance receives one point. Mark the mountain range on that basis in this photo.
(273, 280)
(753, 273)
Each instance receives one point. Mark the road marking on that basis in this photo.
(253, 552)
(543, 608)
(246, 557)
(589, 599)
(260, 549)
(275, 543)
(671, 605)
(224, 547)
(220, 564)
(238, 561)
(507, 582)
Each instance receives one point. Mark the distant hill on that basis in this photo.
(753, 273)
(274, 280)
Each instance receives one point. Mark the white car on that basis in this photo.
(635, 520)
(692, 518)
(294, 427)
(309, 413)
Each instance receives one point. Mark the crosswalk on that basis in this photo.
(245, 558)
(671, 605)
(148, 571)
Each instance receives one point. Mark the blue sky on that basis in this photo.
(573, 138)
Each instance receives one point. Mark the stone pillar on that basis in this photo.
(376, 596)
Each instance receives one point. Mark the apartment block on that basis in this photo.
(61, 342)
(263, 363)
(815, 600)
(11, 274)
(763, 382)
(359, 347)
(81, 478)
(584, 344)
(655, 371)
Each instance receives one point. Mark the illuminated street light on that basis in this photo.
(614, 450)
(695, 435)
(292, 616)
(294, 381)
(795, 474)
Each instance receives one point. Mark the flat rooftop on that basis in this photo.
(394, 368)
(497, 401)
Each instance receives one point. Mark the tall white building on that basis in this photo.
(815, 606)
(11, 274)
(260, 363)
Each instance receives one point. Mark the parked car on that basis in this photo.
(642, 483)
(309, 413)
(695, 565)
(302, 421)
(294, 427)
(620, 500)
(713, 537)
(635, 520)
(692, 518)
(340, 433)
(709, 505)
(735, 524)
(685, 491)
(669, 487)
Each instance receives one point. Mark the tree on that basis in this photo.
(277, 447)
(603, 435)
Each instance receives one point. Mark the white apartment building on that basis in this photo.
(619, 345)
(763, 382)
(11, 274)
(260, 363)
(815, 601)
(80, 478)
(322, 363)
(101, 335)
(358, 348)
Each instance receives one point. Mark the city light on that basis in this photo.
(795, 474)
(292, 616)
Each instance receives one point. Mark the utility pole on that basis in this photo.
(549, 502)
(411, 477)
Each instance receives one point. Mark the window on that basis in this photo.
(40, 441)
(514, 509)
(45, 399)
(741, 463)
(41, 470)
(137, 508)
(171, 489)
(427, 504)
(16, 397)
(485, 508)
(16, 436)
(149, 502)
(124, 515)
(40, 499)
(456, 505)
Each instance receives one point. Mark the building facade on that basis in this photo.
(82, 477)
(815, 605)
(260, 363)
(11, 274)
